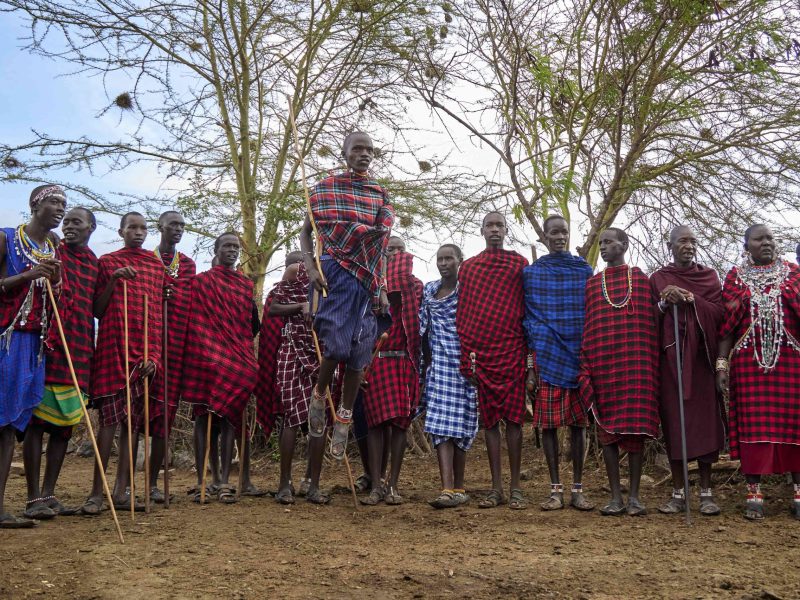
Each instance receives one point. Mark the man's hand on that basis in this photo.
(305, 309)
(723, 381)
(383, 302)
(149, 369)
(675, 295)
(531, 383)
(124, 273)
(316, 279)
(48, 268)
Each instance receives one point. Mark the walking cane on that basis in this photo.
(146, 417)
(165, 360)
(205, 458)
(242, 453)
(679, 361)
(131, 459)
(89, 427)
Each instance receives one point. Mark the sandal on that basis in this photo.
(447, 499)
(492, 500)
(254, 492)
(227, 494)
(795, 509)
(285, 496)
(363, 483)
(554, 502)
(157, 496)
(461, 496)
(341, 431)
(375, 497)
(316, 496)
(305, 485)
(708, 508)
(316, 414)
(675, 505)
(92, 507)
(392, 498)
(126, 504)
(37, 509)
(516, 500)
(577, 500)
(636, 508)
(198, 496)
(8, 521)
(754, 510)
(615, 508)
(60, 509)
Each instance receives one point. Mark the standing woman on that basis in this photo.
(759, 336)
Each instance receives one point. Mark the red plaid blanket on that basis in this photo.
(489, 316)
(763, 406)
(619, 355)
(79, 271)
(219, 367)
(108, 369)
(268, 398)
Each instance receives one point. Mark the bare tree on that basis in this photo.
(685, 111)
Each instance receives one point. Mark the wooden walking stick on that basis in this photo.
(165, 361)
(89, 427)
(679, 360)
(205, 458)
(131, 458)
(146, 417)
(381, 340)
(242, 453)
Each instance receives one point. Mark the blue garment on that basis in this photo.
(344, 321)
(21, 379)
(450, 400)
(555, 286)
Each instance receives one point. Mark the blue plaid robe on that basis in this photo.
(555, 286)
(450, 400)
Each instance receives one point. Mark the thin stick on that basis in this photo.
(165, 360)
(679, 360)
(131, 460)
(242, 453)
(146, 415)
(381, 340)
(89, 427)
(205, 458)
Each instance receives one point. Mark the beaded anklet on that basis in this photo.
(556, 488)
(754, 493)
(678, 494)
(797, 492)
(577, 488)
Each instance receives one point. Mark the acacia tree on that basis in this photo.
(657, 113)
(204, 89)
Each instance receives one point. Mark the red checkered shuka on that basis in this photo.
(489, 316)
(353, 218)
(177, 322)
(764, 407)
(619, 355)
(79, 268)
(108, 368)
(392, 393)
(219, 366)
(268, 399)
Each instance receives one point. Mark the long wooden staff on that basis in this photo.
(165, 361)
(89, 427)
(146, 416)
(131, 459)
(315, 295)
(205, 458)
(242, 453)
(381, 340)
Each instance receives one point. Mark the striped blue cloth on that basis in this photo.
(450, 400)
(21, 379)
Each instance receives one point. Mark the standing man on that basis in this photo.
(180, 270)
(697, 293)
(619, 366)
(392, 391)
(450, 400)
(353, 218)
(144, 275)
(60, 409)
(555, 286)
(27, 256)
(491, 307)
(220, 369)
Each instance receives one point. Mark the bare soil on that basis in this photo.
(257, 549)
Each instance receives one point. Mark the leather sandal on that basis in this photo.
(615, 508)
(636, 508)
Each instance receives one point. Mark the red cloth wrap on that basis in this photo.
(219, 366)
(697, 323)
(489, 316)
(267, 393)
(763, 407)
(619, 356)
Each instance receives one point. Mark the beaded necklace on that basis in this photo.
(627, 299)
(767, 330)
(26, 247)
(173, 267)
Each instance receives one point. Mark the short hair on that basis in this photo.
(89, 215)
(293, 257)
(455, 248)
(552, 218)
(350, 135)
(218, 241)
(397, 237)
(675, 229)
(749, 231)
(168, 212)
(493, 212)
(124, 218)
(620, 233)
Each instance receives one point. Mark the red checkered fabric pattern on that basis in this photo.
(619, 355)
(764, 407)
(79, 271)
(219, 365)
(489, 316)
(108, 369)
(556, 406)
(268, 399)
(114, 408)
(632, 443)
(178, 316)
(353, 218)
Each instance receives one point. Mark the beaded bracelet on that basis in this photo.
(722, 364)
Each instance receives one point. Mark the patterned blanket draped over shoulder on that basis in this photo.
(267, 392)
(764, 406)
(108, 370)
(354, 218)
(555, 288)
(400, 279)
(220, 369)
(489, 317)
(79, 267)
(619, 354)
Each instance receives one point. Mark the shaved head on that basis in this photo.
(677, 231)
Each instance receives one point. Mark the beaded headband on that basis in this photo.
(54, 191)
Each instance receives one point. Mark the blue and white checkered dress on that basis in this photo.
(450, 400)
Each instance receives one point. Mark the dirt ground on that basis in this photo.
(257, 549)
